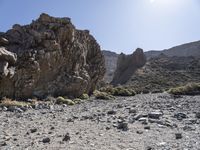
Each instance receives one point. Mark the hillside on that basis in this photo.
(184, 50)
(163, 72)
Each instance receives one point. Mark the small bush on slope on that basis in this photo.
(103, 95)
(84, 96)
(61, 100)
(118, 91)
(189, 89)
(8, 102)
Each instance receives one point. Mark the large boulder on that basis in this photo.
(53, 58)
(127, 65)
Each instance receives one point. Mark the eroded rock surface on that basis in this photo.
(127, 65)
(49, 57)
(110, 64)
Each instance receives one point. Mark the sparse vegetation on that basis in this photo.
(103, 95)
(84, 96)
(77, 100)
(118, 91)
(189, 89)
(8, 103)
(62, 100)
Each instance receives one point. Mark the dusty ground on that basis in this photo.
(142, 122)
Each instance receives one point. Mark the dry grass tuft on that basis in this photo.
(8, 102)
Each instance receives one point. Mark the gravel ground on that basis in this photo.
(142, 122)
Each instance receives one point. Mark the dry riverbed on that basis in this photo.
(142, 122)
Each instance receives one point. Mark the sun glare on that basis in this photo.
(152, 1)
(163, 2)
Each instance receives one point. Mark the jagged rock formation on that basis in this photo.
(111, 64)
(127, 65)
(49, 57)
(164, 72)
(185, 50)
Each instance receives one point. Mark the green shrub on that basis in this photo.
(84, 96)
(61, 100)
(77, 100)
(189, 89)
(118, 91)
(103, 95)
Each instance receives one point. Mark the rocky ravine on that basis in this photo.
(49, 57)
(142, 122)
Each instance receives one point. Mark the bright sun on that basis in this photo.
(152, 1)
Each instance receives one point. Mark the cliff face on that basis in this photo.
(127, 65)
(49, 57)
(111, 64)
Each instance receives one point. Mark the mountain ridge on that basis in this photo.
(183, 50)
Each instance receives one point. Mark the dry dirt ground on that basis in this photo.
(142, 122)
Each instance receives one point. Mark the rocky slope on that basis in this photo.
(163, 72)
(110, 64)
(49, 57)
(127, 65)
(185, 50)
(142, 122)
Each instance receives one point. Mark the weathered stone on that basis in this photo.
(110, 63)
(33, 130)
(139, 132)
(127, 65)
(123, 126)
(138, 116)
(155, 114)
(46, 140)
(66, 137)
(111, 112)
(178, 135)
(7, 59)
(3, 41)
(143, 119)
(180, 116)
(147, 127)
(197, 115)
(53, 58)
(132, 110)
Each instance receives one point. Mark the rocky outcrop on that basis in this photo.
(110, 64)
(49, 57)
(6, 60)
(127, 65)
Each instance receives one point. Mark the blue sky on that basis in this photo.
(118, 25)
